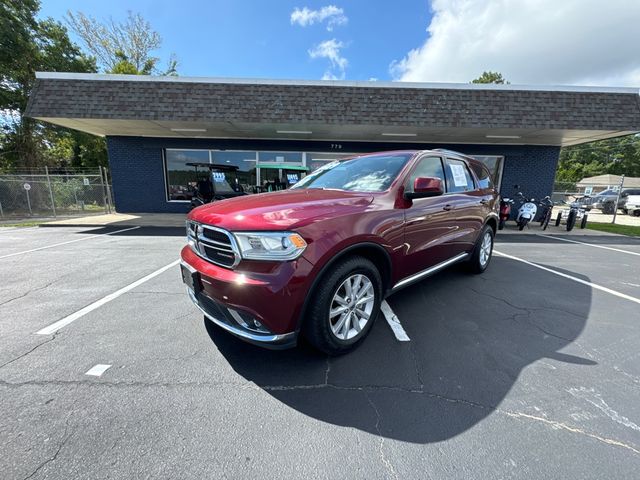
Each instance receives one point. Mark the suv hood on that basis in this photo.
(283, 210)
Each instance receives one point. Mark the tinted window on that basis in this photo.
(458, 177)
(483, 176)
(427, 167)
(370, 173)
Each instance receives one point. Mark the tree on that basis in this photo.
(28, 45)
(490, 77)
(121, 47)
(616, 156)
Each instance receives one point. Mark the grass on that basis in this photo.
(630, 230)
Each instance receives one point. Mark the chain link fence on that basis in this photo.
(565, 192)
(43, 193)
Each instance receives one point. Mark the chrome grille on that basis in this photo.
(213, 244)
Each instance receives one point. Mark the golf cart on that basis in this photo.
(219, 183)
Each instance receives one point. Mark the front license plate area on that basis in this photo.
(191, 279)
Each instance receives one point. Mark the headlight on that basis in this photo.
(270, 245)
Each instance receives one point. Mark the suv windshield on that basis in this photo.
(371, 173)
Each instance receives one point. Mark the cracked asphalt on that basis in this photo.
(517, 373)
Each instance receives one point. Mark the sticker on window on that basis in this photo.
(218, 177)
(459, 177)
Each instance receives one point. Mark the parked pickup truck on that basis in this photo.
(632, 205)
(318, 259)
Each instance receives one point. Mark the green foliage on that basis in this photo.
(28, 45)
(490, 77)
(616, 156)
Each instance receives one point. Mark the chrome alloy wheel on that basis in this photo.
(351, 306)
(485, 249)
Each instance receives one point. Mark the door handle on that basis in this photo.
(447, 207)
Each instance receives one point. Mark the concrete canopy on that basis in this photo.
(183, 107)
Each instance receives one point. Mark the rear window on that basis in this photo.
(483, 175)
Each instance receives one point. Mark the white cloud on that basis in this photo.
(581, 42)
(330, 49)
(333, 15)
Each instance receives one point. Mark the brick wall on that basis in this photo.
(138, 173)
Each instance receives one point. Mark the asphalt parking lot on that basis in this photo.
(531, 370)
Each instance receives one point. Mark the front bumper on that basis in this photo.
(259, 303)
(215, 314)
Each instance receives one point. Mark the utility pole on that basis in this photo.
(615, 210)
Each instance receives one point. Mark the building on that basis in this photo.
(276, 130)
(599, 183)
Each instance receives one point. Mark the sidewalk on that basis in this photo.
(125, 220)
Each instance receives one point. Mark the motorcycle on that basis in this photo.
(547, 205)
(571, 215)
(526, 212)
(505, 211)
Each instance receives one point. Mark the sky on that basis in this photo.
(552, 42)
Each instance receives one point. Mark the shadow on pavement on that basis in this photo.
(126, 230)
(471, 336)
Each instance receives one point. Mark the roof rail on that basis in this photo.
(451, 152)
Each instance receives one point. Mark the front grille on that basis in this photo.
(214, 244)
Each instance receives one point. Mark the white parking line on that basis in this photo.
(394, 322)
(66, 243)
(575, 279)
(54, 327)
(589, 244)
(98, 370)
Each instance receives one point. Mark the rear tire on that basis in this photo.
(571, 220)
(330, 295)
(482, 252)
(636, 213)
(501, 224)
(583, 222)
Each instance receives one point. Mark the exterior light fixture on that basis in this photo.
(295, 132)
(399, 134)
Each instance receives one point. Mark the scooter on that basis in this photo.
(505, 211)
(526, 212)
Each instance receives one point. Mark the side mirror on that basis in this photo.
(425, 187)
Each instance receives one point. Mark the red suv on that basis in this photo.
(319, 258)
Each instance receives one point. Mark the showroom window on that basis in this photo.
(246, 163)
(182, 178)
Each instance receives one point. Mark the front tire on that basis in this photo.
(547, 219)
(344, 306)
(481, 256)
(558, 219)
(522, 223)
(571, 220)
